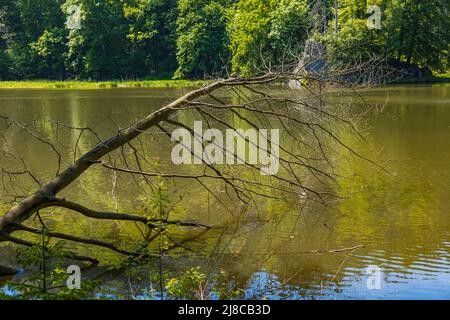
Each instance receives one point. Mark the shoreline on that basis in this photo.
(91, 85)
(432, 79)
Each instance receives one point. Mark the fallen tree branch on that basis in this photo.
(289, 181)
(40, 199)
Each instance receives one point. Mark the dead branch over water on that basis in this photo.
(306, 121)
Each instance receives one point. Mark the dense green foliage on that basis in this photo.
(202, 45)
(413, 31)
(419, 32)
(264, 32)
(138, 39)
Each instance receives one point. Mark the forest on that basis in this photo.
(201, 39)
(235, 149)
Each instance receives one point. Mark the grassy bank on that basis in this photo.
(86, 85)
(89, 85)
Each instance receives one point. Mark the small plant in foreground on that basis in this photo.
(195, 285)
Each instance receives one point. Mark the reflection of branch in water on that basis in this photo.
(345, 260)
(296, 252)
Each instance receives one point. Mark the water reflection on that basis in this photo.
(401, 217)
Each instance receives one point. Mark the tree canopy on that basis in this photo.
(139, 39)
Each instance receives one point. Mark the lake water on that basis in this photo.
(401, 215)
